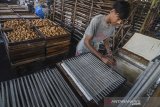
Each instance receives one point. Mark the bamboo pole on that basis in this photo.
(153, 2)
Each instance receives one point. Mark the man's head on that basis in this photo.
(119, 12)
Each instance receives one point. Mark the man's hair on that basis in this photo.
(123, 8)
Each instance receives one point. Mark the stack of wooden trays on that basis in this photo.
(58, 11)
(140, 15)
(23, 44)
(57, 38)
(68, 14)
(82, 16)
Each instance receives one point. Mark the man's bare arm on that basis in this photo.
(87, 42)
(107, 46)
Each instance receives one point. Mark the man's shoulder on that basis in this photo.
(98, 16)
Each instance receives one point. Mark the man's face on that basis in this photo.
(114, 18)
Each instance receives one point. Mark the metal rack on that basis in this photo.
(44, 89)
(145, 81)
(94, 79)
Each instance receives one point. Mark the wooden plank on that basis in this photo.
(143, 46)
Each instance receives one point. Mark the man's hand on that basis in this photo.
(109, 53)
(107, 60)
(107, 46)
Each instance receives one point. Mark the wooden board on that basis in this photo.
(143, 46)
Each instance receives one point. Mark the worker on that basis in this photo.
(39, 11)
(100, 29)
